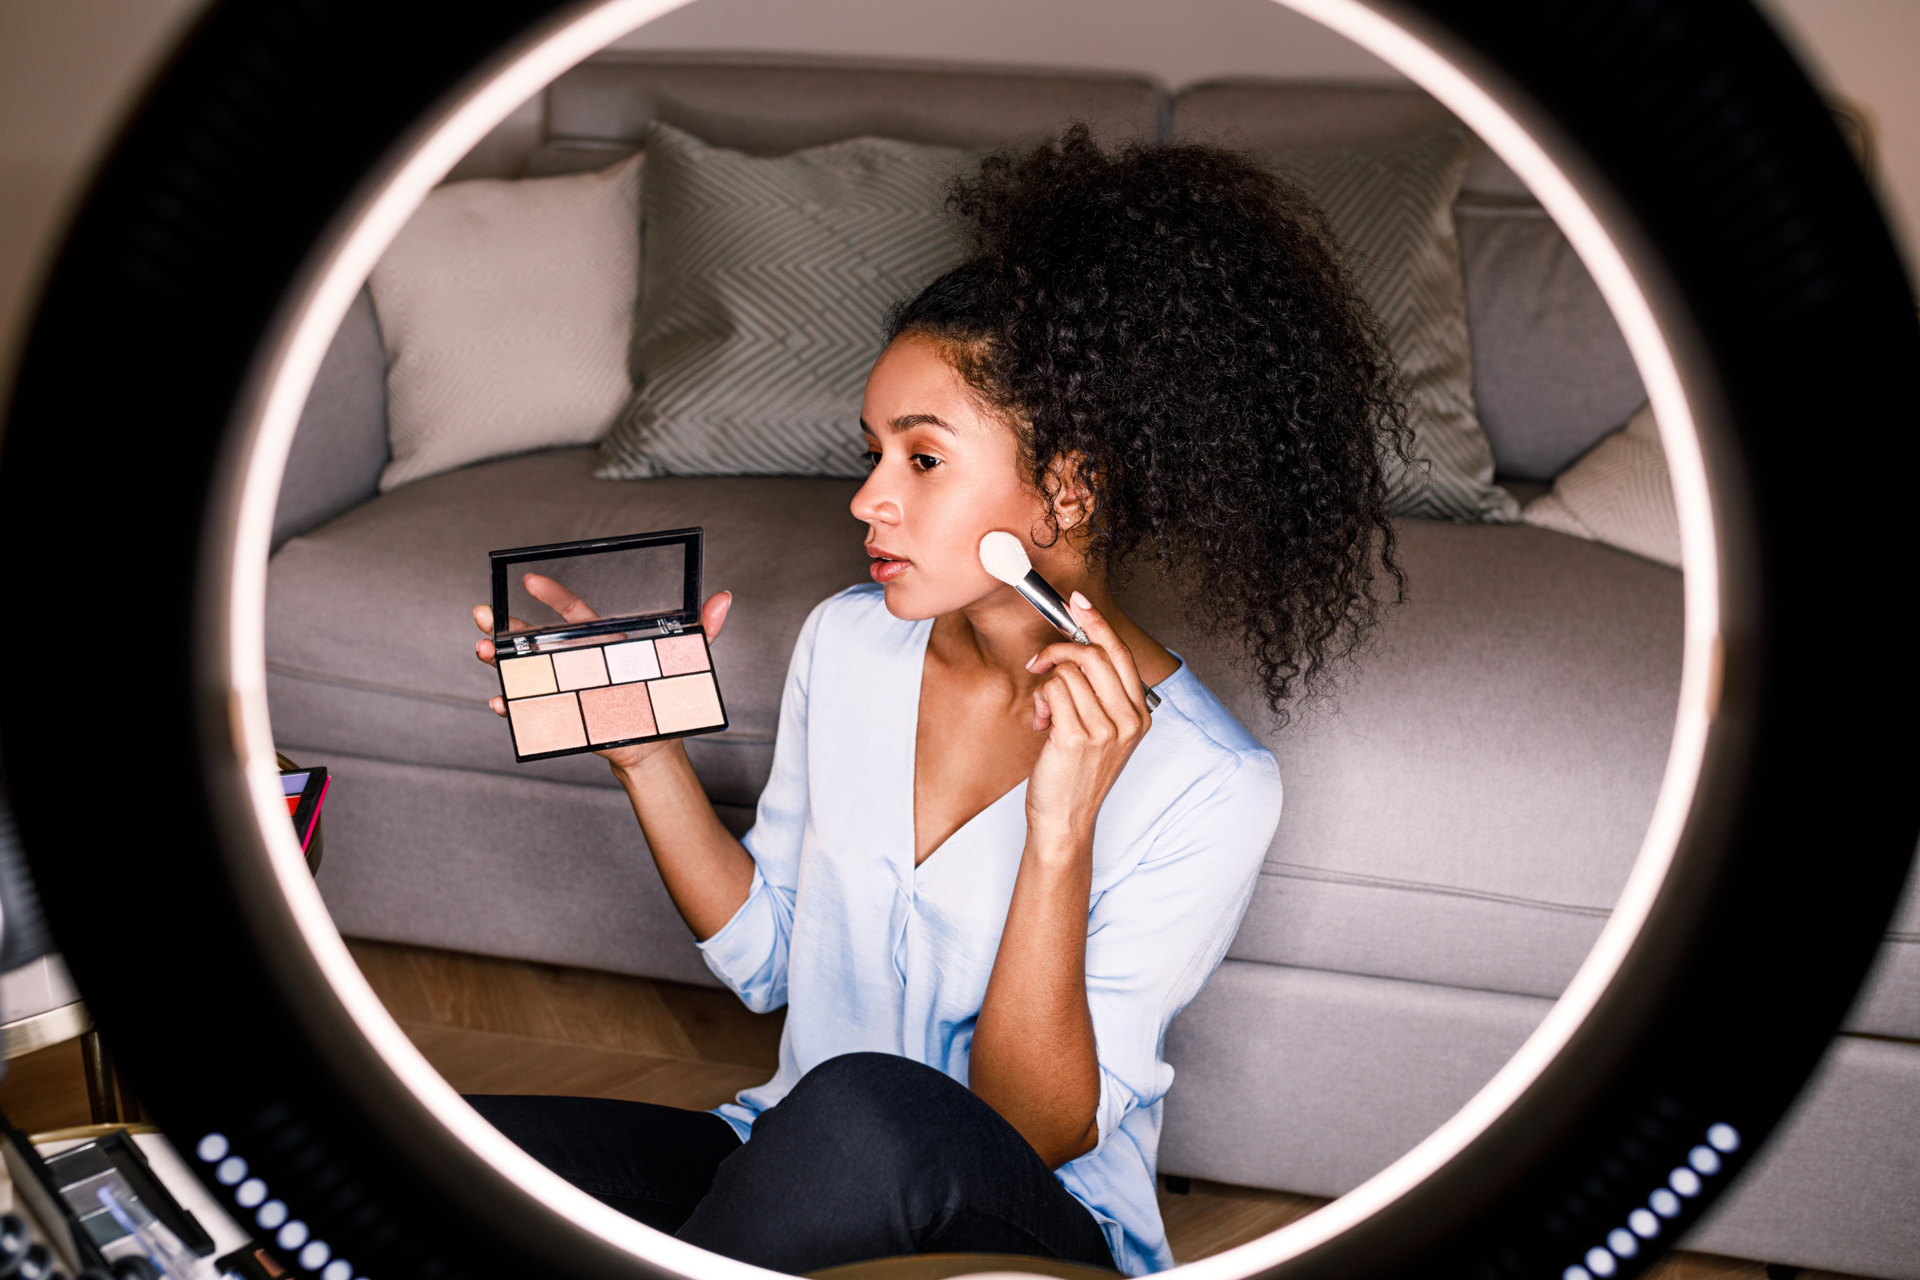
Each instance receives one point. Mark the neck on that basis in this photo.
(999, 633)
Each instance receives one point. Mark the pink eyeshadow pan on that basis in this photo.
(686, 702)
(618, 713)
(633, 660)
(681, 655)
(547, 724)
(580, 668)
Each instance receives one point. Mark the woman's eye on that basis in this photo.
(919, 461)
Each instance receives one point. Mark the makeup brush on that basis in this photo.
(1002, 556)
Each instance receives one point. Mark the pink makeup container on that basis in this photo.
(631, 666)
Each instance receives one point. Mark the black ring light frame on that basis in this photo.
(1690, 164)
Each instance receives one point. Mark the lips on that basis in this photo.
(886, 566)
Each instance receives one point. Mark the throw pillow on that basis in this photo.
(1391, 209)
(1619, 494)
(507, 309)
(766, 289)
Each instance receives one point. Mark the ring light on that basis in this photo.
(1691, 167)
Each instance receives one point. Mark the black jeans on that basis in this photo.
(870, 1156)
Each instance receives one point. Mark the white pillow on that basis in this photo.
(1619, 494)
(507, 311)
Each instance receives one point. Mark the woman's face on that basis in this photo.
(945, 472)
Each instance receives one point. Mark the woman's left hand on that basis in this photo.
(1094, 712)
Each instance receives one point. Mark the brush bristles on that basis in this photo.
(1004, 557)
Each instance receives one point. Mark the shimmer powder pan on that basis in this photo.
(628, 663)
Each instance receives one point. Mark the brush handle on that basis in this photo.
(1039, 593)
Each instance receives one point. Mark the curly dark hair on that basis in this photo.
(1175, 318)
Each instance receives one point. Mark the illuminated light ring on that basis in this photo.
(312, 1255)
(427, 1164)
(1624, 1242)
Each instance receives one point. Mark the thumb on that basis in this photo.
(713, 614)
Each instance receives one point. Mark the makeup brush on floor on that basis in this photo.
(1003, 557)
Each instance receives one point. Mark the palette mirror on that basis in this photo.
(1615, 1038)
(613, 582)
(599, 644)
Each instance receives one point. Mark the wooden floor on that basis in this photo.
(514, 1027)
(507, 1026)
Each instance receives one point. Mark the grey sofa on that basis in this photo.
(1456, 827)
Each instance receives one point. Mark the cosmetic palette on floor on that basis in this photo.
(629, 665)
(306, 791)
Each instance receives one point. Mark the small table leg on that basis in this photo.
(103, 1099)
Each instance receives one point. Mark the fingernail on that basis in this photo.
(1030, 661)
(1081, 602)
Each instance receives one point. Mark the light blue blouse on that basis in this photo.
(871, 953)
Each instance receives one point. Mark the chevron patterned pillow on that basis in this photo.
(764, 296)
(1391, 207)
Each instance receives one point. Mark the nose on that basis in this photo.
(874, 503)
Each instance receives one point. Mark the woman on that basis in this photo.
(984, 876)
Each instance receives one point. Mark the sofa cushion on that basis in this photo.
(768, 107)
(1551, 372)
(498, 865)
(1889, 1000)
(1468, 809)
(1312, 1082)
(555, 159)
(370, 632)
(1836, 1184)
(1467, 817)
(1268, 115)
(764, 300)
(340, 447)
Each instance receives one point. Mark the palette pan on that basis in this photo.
(599, 643)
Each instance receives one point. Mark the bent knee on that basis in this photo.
(873, 1083)
(887, 1107)
(869, 1072)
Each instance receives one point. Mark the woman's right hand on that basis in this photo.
(713, 616)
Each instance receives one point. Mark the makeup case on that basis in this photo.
(632, 667)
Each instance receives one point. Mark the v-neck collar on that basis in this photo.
(911, 754)
(915, 650)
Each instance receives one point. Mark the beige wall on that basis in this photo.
(1178, 42)
(1868, 52)
(70, 68)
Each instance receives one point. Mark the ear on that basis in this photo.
(1072, 496)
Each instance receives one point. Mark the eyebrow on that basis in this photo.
(907, 422)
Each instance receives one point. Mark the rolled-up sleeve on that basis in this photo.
(1156, 936)
(750, 952)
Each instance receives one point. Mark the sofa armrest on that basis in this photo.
(340, 446)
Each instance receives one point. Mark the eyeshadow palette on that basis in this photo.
(599, 643)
